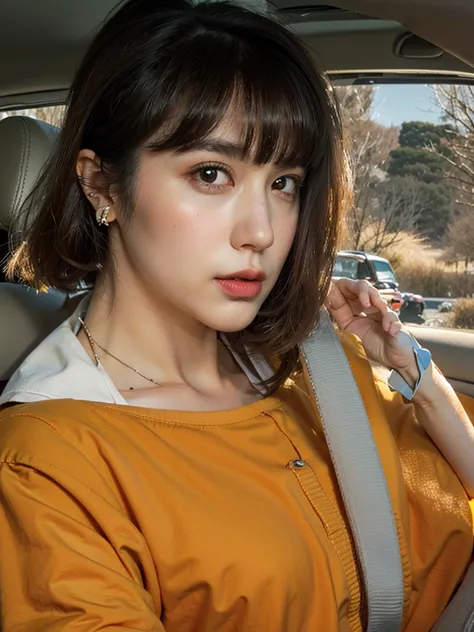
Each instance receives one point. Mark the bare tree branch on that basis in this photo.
(398, 206)
(460, 239)
(457, 105)
(369, 145)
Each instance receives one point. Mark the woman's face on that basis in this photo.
(203, 218)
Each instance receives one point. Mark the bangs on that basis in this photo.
(219, 79)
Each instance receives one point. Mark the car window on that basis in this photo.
(383, 269)
(346, 267)
(52, 114)
(412, 153)
(411, 148)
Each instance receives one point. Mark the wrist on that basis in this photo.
(410, 374)
(428, 391)
(407, 380)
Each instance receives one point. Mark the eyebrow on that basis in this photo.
(216, 145)
(229, 149)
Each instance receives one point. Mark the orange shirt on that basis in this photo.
(121, 518)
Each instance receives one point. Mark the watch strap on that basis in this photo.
(423, 359)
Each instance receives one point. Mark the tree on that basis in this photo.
(460, 239)
(422, 135)
(457, 103)
(439, 208)
(397, 205)
(422, 156)
(420, 164)
(369, 145)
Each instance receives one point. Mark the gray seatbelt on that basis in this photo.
(459, 614)
(360, 475)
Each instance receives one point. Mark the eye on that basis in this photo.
(211, 177)
(288, 185)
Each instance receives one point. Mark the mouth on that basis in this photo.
(244, 284)
(245, 275)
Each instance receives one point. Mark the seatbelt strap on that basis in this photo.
(360, 475)
(459, 614)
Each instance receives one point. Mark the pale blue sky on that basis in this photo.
(394, 104)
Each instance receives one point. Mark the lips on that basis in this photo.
(240, 288)
(243, 284)
(245, 275)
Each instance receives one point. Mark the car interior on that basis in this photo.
(355, 41)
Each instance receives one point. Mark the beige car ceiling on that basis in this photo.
(42, 41)
(447, 23)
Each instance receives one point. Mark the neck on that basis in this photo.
(154, 337)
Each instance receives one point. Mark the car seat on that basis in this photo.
(26, 316)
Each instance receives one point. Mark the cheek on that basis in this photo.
(171, 231)
(285, 234)
(164, 213)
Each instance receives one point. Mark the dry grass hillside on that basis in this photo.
(414, 250)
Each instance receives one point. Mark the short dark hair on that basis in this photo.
(168, 70)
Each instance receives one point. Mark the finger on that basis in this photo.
(391, 323)
(336, 297)
(395, 329)
(352, 289)
(377, 300)
(345, 302)
(340, 306)
(366, 294)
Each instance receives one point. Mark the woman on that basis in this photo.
(163, 465)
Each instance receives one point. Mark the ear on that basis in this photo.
(94, 183)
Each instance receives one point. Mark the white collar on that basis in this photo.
(60, 368)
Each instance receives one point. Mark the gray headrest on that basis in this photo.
(25, 145)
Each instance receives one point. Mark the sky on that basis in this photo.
(394, 104)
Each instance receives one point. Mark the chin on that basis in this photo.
(235, 317)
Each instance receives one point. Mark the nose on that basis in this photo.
(253, 220)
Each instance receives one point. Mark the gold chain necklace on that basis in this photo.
(93, 343)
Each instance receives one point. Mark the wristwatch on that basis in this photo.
(423, 359)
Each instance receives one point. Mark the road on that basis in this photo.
(431, 316)
(434, 303)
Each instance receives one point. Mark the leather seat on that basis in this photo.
(26, 316)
